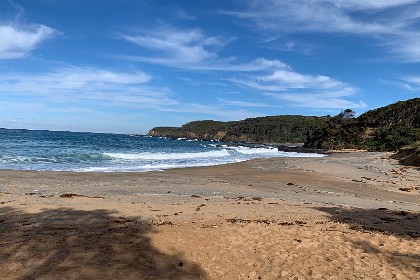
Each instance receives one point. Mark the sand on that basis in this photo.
(346, 216)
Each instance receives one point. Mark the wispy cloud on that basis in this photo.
(190, 50)
(286, 79)
(371, 4)
(75, 84)
(177, 48)
(221, 110)
(319, 100)
(411, 83)
(92, 88)
(17, 42)
(240, 103)
(394, 24)
(299, 89)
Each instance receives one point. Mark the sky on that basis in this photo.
(126, 66)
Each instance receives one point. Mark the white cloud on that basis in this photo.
(406, 46)
(301, 15)
(302, 90)
(219, 110)
(414, 80)
(286, 78)
(175, 47)
(189, 49)
(321, 101)
(92, 88)
(392, 23)
(84, 85)
(371, 4)
(17, 42)
(239, 103)
(410, 83)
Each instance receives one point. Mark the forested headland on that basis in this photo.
(390, 128)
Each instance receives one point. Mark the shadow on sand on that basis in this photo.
(402, 224)
(72, 244)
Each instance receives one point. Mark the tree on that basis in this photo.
(347, 114)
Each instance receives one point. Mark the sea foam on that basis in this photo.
(95, 152)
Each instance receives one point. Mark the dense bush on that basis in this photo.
(275, 129)
(385, 129)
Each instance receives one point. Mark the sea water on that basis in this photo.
(99, 152)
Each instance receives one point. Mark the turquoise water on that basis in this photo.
(98, 152)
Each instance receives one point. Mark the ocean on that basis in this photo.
(43, 150)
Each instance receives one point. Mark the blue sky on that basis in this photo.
(125, 66)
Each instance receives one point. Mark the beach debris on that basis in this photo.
(71, 195)
(406, 189)
(258, 198)
(199, 207)
(120, 221)
(403, 213)
(195, 196)
(4, 202)
(163, 223)
(180, 264)
(286, 223)
(290, 184)
(247, 221)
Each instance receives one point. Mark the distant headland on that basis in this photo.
(390, 128)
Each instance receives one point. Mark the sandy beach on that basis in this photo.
(345, 216)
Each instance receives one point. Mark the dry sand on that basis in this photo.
(346, 216)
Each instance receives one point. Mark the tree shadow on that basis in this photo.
(401, 223)
(408, 157)
(73, 244)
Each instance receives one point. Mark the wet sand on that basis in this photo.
(346, 216)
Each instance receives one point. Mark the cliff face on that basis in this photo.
(277, 129)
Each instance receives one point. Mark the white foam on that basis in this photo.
(255, 151)
(169, 156)
(302, 155)
(153, 167)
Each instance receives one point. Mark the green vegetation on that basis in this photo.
(385, 129)
(276, 129)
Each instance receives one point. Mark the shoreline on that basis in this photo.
(341, 216)
(311, 177)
